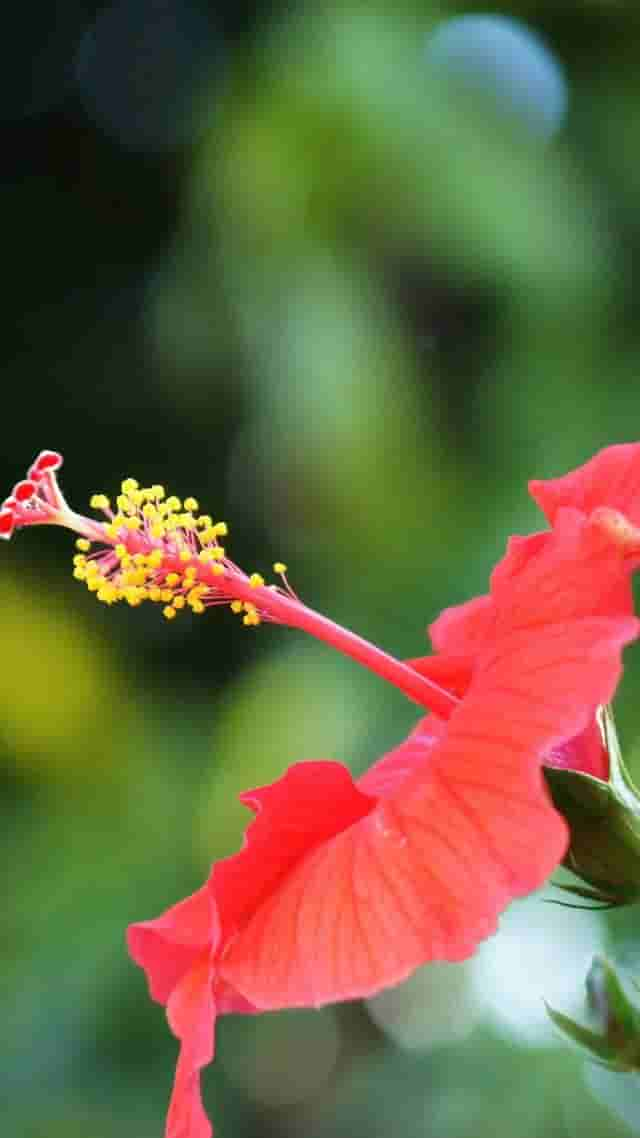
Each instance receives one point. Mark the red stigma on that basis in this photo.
(24, 491)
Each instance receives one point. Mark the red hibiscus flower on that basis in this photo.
(344, 887)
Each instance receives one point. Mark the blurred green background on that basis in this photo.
(293, 260)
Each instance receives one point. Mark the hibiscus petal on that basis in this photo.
(425, 874)
(191, 1014)
(168, 946)
(451, 672)
(586, 753)
(326, 802)
(385, 775)
(460, 629)
(611, 478)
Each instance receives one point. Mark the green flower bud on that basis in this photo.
(615, 1038)
(604, 824)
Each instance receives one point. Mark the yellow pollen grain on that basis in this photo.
(99, 502)
(279, 567)
(79, 559)
(256, 581)
(169, 613)
(129, 484)
(221, 529)
(236, 606)
(204, 521)
(155, 593)
(190, 504)
(172, 579)
(79, 573)
(157, 491)
(173, 504)
(83, 544)
(166, 595)
(178, 602)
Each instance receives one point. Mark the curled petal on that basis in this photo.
(167, 947)
(460, 629)
(611, 478)
(191, 1014)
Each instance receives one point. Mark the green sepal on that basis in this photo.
(604, 825)
(616, 1040)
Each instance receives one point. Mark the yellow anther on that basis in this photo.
(251, 618)
(217, 569)
(155, 593)
(172, 579)
(157, 491)
(169, 612)
(132, 523)
(79, 559)
(185, 555)
(120, 550)
(236, 606)
(166, 595)
(207, 535)
(83, 544)
(154, 560)
(187, 521)
(129, 484)
(279, 567)
(79, 573)
(124, 504)
(173, 504)
(158, 530)
(204, 521)
(126, 561)
(137, 497)
(256, 581)
(221, 529)
(190, 504)
(218, 552)
(190, 575)
(99, 502)
(149, 510)
(206, 555)
(92, 569)
(178, 602)
(197, 607)
(93, 583)
(139, 559)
